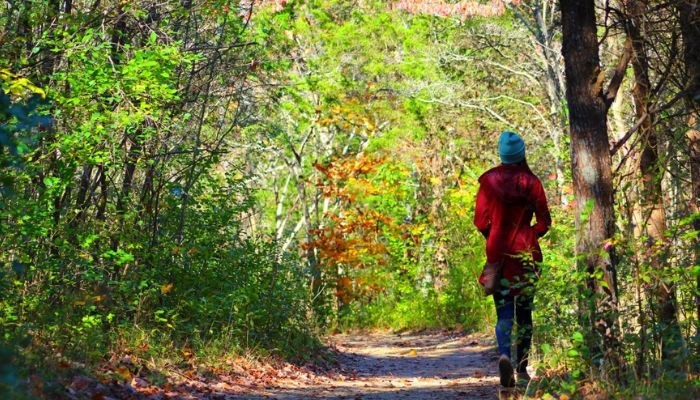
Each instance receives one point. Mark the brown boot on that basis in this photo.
(505, 370)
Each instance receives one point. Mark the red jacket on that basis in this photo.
(508, 194)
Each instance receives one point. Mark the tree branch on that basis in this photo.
(641, 120)
(628, 134)
(618, 77)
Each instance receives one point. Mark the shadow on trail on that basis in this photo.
(451, 363)
(486, 391)
(432, 359)
(378, 366)
(386, 366)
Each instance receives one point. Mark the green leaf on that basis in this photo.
(586, 213)
(51, 181)
(546, 348)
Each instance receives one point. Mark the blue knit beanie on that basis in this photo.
(511, 147)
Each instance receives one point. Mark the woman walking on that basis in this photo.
(508, 196)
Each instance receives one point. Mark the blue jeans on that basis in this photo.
(518, 308)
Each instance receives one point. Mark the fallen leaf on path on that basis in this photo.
(138, 382)
(123, 372)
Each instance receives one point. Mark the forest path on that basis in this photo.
(381, 366)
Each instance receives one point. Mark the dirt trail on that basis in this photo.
(390, 366)
(376, 366)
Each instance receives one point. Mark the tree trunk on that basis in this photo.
(592, 178)
(314, 268)
(654, 213)
(82, 201)
(689, 12)
(24, 30)
(538, 18)
(132, 153)
(553, 85)
(102, 202)
(119, 36)
(49, 58)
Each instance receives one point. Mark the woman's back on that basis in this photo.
(509, 195)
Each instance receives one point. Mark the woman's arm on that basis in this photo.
(544, 220)
(482, 214)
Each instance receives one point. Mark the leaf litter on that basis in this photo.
(380, 365)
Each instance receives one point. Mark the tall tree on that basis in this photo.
(651, 171)
(689, 12)
(588, 103)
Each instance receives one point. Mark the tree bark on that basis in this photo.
(553, 85)
(314, 268)
(689, 13)
(102, 202)
(49, 58)
(544, 28)
(24, 29)
(653, 211)
(592, 178)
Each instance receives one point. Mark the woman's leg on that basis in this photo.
(523, 319)
(504, 326)
(505, 313)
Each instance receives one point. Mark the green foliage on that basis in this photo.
(194, 176)
(117, 218)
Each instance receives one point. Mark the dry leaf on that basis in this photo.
(123, 372)
(165, 289)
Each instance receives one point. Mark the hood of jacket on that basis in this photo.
(511, 183)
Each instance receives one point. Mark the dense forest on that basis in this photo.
(185, 182)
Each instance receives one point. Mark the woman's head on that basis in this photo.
(511, 148)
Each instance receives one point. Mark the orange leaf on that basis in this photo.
(124, 373)
(165, 289)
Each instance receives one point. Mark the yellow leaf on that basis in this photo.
(165, 289)
(123, 372)
(413, 353)
(18, 85)
(6, 74)
(37, 90)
